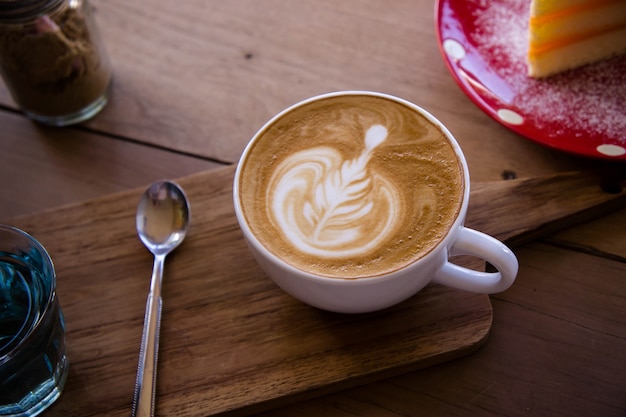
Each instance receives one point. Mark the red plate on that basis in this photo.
(582, 111)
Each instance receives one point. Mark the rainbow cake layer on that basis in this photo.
(569, 34)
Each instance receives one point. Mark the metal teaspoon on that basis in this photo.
(162, 222)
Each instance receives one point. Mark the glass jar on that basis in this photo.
(52, 59)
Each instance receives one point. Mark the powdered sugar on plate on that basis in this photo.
(582, 110)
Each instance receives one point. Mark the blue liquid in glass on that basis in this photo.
(33, 365)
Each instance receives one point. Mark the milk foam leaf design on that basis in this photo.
(340, 195)
(343, 195)
(375, 136)
(310, 214)
(332, 207)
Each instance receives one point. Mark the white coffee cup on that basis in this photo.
(350, 294)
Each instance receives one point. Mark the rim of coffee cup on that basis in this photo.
(445, 241)
(47, 261)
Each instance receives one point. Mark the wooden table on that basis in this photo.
(194, 80)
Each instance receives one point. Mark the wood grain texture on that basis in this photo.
(45, 167)
(555, 350)
(203, 75)
(602, 237)
(200, 77)
(543, 203)
(231, 341)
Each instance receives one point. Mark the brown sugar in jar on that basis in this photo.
(52, 59)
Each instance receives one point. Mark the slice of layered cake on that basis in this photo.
(567, 34)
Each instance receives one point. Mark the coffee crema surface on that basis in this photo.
(351, 186)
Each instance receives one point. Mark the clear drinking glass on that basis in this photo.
(33, 361)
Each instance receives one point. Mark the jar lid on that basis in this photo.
(16, 10)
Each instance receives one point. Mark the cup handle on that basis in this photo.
(475, 243)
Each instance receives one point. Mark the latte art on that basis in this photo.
(331, 207)
(350, 186)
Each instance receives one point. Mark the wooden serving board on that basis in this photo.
(231, 341)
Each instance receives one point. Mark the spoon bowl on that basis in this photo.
(162, 217)
(162, 222)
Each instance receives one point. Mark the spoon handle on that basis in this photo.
(145, 386)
